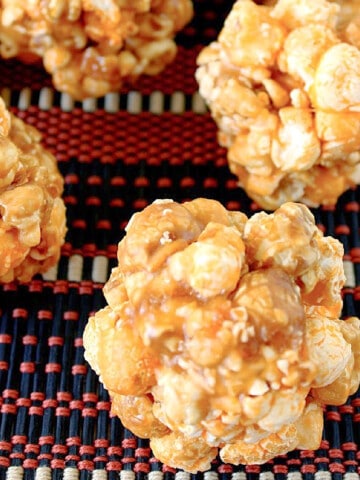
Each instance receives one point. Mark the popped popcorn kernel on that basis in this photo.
(258, 37)
(222, 332)
(137, 415)
(267, 448)
(190, 454)
(91, 48)
(32, 213)
(282, 83)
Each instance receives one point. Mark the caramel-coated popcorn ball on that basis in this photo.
(222, 333)
(282, 82)
(32, 213)
(89, 47)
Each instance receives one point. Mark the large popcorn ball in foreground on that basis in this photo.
(221, 332)
(282, 83)
(89, 47)
(32, 213)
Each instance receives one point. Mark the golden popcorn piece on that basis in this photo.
(126, 366)
(325, 341)
(258, 36)
(314, 260)
(305, 433)
(222, 332)
(337, 74)
(137, 415)
(32, 213)
(296, 14)
(282, 84)
(91, 48)
(337, 391)
(267, 448)
(190, 454)
(348, 21)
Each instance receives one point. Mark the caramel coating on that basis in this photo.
(282, 83)
(193, 454)
(221, 333)
(137, 415)
(91, 48)
(32, 213)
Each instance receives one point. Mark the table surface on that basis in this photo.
(117, 154)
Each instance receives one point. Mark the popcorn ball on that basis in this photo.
(221, 333)
(32, 213)
(89, 47)
(282, 82)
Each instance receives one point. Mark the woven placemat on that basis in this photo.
(152, 140)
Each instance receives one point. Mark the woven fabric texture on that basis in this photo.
(117, 154)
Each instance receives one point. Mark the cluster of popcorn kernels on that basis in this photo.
(91, 48)
(32, 213)
(282, 82)
(221, 333)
